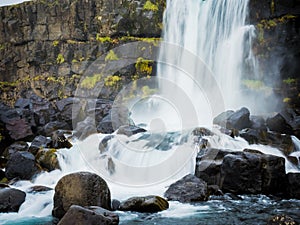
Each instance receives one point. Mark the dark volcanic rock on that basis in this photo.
(58, 140)
(234, 120)
(18, 128)
(39, 188)
(129, 130)
(38, 143)
(279, 124)
(11, 199)
(53, 126)
(294, 185)
(189, 189)
(21, 165)
(245, 172)
(150, 204)
(15, 147)
(47, 159)
(91, 215)
(84, 189)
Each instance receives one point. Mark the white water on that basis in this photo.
(209, 44)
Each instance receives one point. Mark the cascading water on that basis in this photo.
(217, 33)
(206, 37)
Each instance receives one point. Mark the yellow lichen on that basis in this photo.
(55, 43)
(112, 80)
(60, 59)
(111, 55)
(144, 66)
(150, 6)
(91, 81)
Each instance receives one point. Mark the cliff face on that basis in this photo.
(277, 46)
(45, 46)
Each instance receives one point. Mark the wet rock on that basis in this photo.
(43, 110)
(279, 124)
(202, 132)
(234, 120)
(129, 130)
(39, 142)
(115, 204)
(47, 158)
(11, 199)
(294, 185)
(85, 128)
(118, 116)
(253, 173)
(82, 188)
(21, 165)
(15, 147)
(248, 172)
(188, 189)
(58, 140)
(39, 188)
(91, 215)
(53, 126)
(281, 220)
(104, 142)
(149, 204)
(258, 123)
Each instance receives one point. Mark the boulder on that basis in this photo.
(188, 189)
(19, 129)
(247, 172)
(239, 119)
(278, 124)
(11, 199)
(91, 215)
(58, 140)
(38, 143)
(253, 173)
(258, 123)
(47, 158)
(82, 188)
(281, 220)
(15, 147)
(129, 130)
(150, 204)
(42, 109)
(294, 185)
(21, 165)
(85, 128)
(52, 126)
(69, 109)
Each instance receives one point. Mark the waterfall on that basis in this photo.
(213, 50)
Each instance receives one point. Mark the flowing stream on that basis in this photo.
(208, 49)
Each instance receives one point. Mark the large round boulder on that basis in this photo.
(11, 199)
(21, 165)
(91, 215)
(189, 189)
(83, 189)
(149, 204)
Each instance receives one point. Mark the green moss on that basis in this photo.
(55, 43)
(60, 59)
(150, 6)
(112, 81)
(2, 47)
(289, 81)
(90, 82)
(111, 56)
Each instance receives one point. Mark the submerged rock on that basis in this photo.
(11, 199)
(149, 204)
(21, 165)
(47, 158)
(91, 215)
(39, 188)
(129, 130)
(82, 188)
(188, 189)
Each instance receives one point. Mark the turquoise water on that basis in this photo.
(249, 210)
